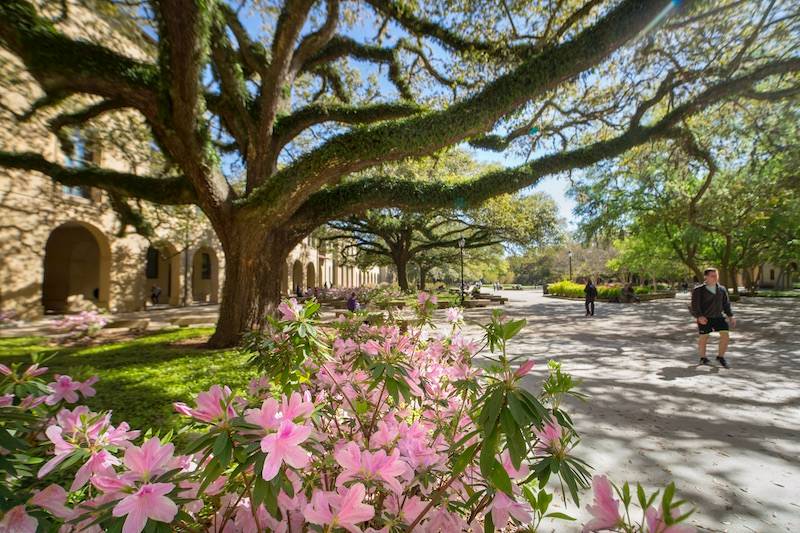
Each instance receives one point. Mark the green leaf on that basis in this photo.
(222, 449)
(559, 516)
(491, 410)
(464, 459)
(512, 327)
(514, 439)
(518, 409)
(488, 524)
(640, 495)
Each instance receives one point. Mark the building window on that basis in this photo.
(772, 274)
(83, 153)
(151, 268)
(205, 266)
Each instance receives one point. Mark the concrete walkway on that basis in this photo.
(730, 439)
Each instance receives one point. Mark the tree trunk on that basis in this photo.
(423, 273)
(252, 289)
(401, 264)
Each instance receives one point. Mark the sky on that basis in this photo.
(553, 185)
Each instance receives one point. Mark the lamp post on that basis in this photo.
(461, 243)
(569, 254)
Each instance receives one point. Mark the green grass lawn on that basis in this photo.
(140, 378)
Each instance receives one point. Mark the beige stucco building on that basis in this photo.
(64, 248)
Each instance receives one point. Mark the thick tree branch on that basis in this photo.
(79, 118)
(167, 191)
(341, 46)
(314, 42)
(64, 66)
(384, 191)
(405, 16)
(419, 135)
(287, 128)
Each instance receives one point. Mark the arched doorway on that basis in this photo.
(311, 276)
(163, 269)
(77, 262)
(297, 276)
(205, 276)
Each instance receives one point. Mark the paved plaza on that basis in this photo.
(730, 439)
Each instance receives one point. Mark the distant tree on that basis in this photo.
(430, 240)
(723, 199)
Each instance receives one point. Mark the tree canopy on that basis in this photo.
(305, 94)
(734, 204)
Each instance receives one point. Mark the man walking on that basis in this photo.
(710, 305)
(591, 294)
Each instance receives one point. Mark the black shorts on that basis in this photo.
(714, 324)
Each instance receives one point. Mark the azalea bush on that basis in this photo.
(351, 427)
(83, 324)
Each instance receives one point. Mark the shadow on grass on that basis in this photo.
(141, 378)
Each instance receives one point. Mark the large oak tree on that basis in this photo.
(305, 94)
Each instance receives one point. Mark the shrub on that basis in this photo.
(575, 290)
(83, 324)
(369, 428)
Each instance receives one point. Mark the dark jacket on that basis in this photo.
(709, 305)
(591, 292)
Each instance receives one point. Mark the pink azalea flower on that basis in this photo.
(52, 498)
(443, 521)
(524, 368)
(284, 447)
(368, 466)
(86, 388)
(343, 509)
(258, 387)
(99, 463)
(504, 507)
(656, 524)
(151, 459)
(454, 315)
(120, 436)
(30, 401)
(549, 437)
(297, 406)
(290, 309)
(63, 388)
(246, 522)
(5, 370)
(149, 502)
(16, 520)
(111, 484)
(34, 370)
(409, 511)
(268, 416)
(213, 406)
(62, 450)
(604, 508)
(513, 473)
(6, 400)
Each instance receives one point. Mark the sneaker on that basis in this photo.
(722, 362)
(704, 361)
